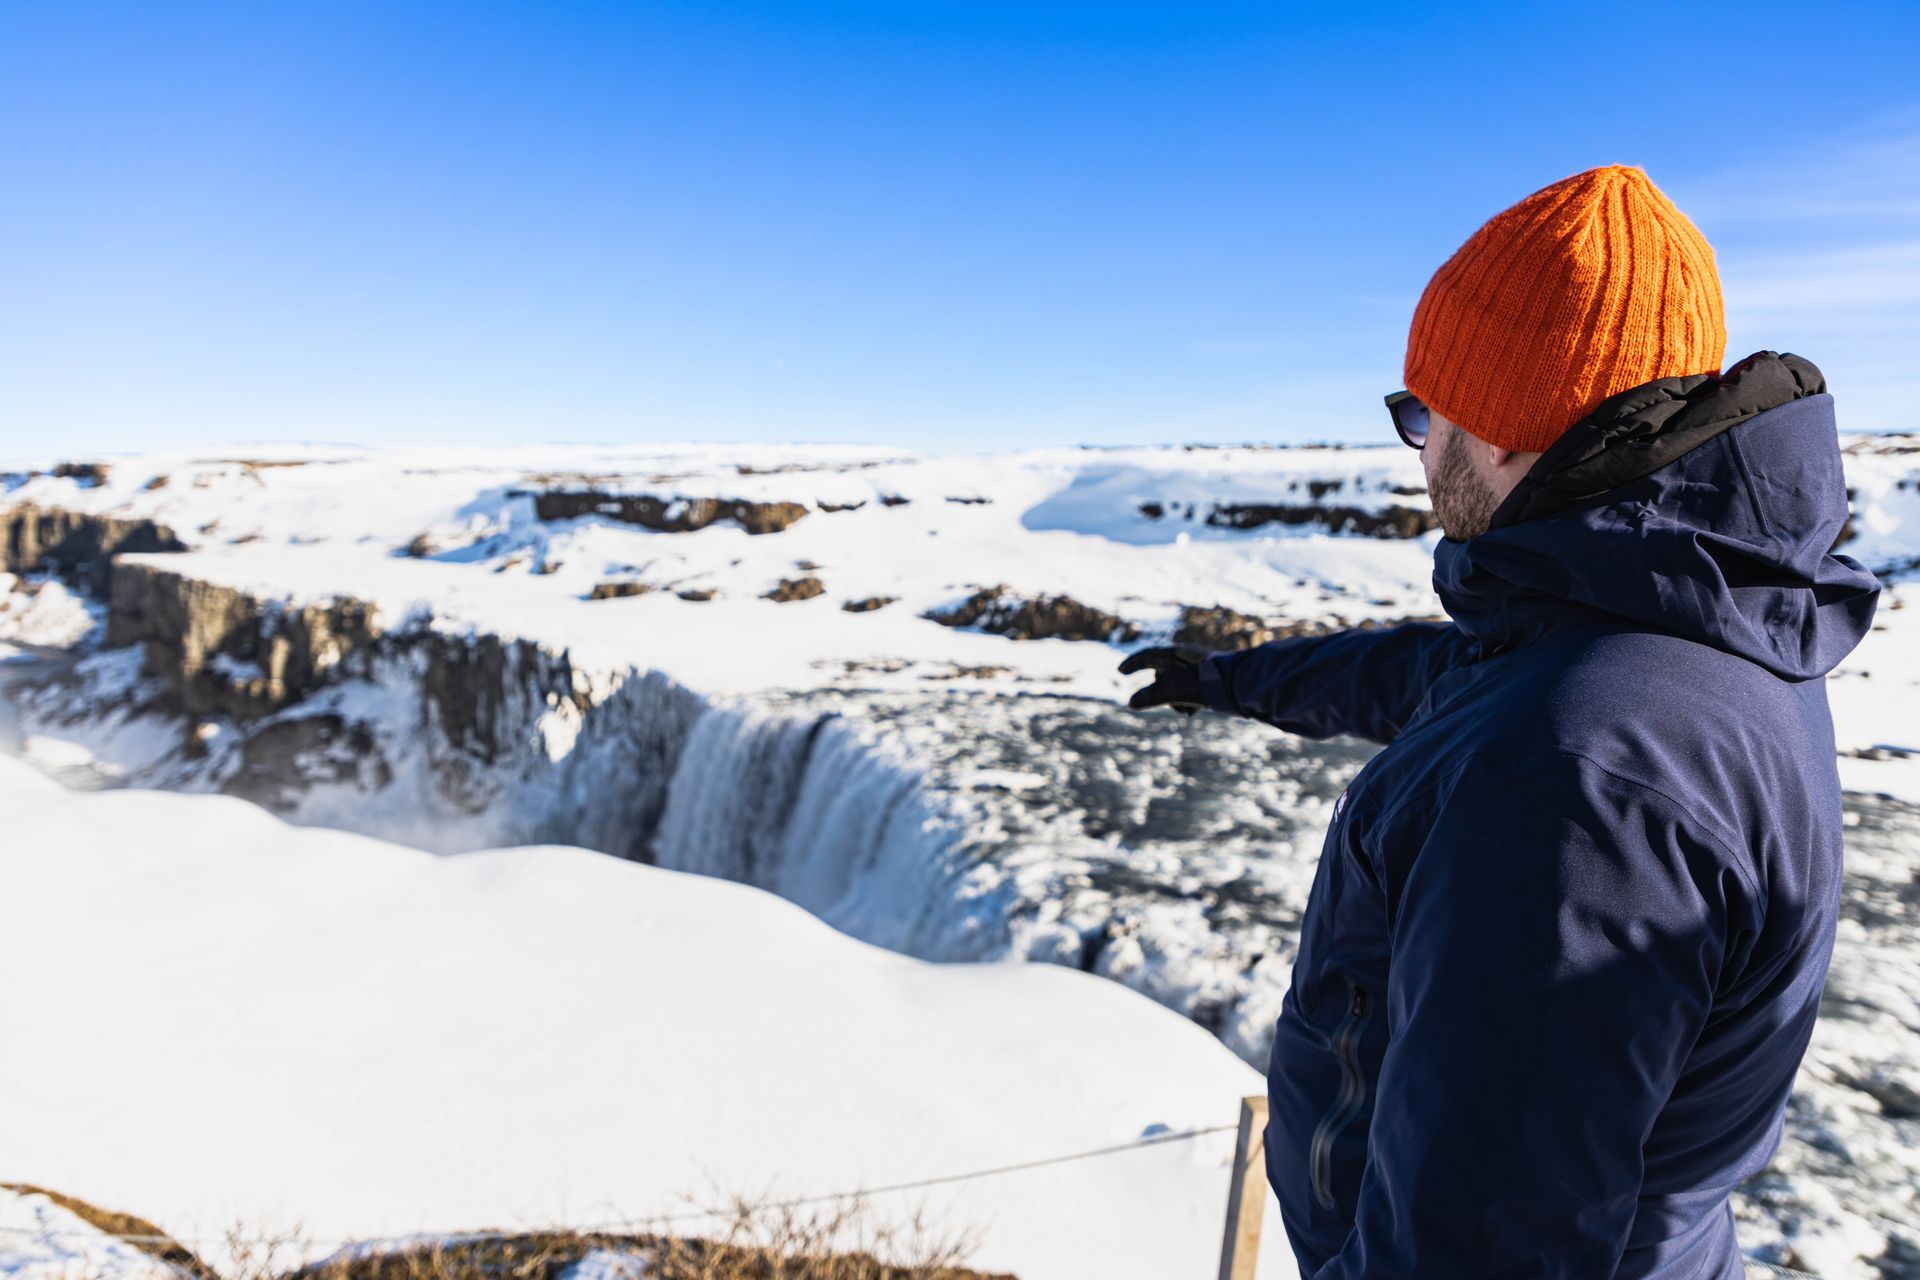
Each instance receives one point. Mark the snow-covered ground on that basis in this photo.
(214, 1019)
(947, 792)
(320, 523)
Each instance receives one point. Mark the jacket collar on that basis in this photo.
(1706, 506)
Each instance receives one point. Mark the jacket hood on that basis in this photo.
(1706, 506)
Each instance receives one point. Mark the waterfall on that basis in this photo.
(829, 818)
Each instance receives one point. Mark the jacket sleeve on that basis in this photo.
(1361, 682)
(1557, 938)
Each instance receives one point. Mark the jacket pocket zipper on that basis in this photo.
(1353, 1095)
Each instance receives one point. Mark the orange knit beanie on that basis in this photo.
(1584, 289)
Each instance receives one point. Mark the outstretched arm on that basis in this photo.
(1558, 936)
(1361, 682)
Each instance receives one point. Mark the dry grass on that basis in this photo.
(754, 1240)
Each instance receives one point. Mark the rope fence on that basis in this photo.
(1237, 1255)
(693, 1215)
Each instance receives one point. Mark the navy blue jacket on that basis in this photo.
(1569, 930)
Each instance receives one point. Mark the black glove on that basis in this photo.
(1176, 677)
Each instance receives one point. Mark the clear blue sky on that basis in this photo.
(952, 226)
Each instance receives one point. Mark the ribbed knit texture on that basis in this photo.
(1587, 287)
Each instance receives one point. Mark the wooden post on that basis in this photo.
(1247, 1197)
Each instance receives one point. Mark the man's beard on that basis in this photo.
(1463, 502)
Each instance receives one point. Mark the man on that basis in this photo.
(1569, 930)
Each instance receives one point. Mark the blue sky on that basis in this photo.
(947, 226)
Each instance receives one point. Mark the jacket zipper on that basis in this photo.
(1353, 1095)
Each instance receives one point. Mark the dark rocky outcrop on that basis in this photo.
(283, 758)
(665, 515)
(995, 609)
(795, 589)
(77, 545)
(618, 590)
(219, 651)
(1219, 628)
(867, 604)
(1386, 522)
(88, 474)
(696, 593)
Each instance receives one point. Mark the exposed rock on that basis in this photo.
(1044, 618)
(283, 758)
(1388, 522)
(795, 589)
(618, 590)
(1217, 628)
(218, 651)
(76, 545)
(422, 546)
(160, 481)
(90, 475)
(956, 671)
(695, 593)
(841, 506)
(968, 501)
(893, 500)
(1152, 510)
(221, 651)
(665, 515)
(851, 666)
(469, 682)
(1220, 628)
(867, 604)
(1224, 628)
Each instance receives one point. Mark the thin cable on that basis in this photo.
(1157, 1139)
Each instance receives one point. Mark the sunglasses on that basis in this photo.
(1409, 418)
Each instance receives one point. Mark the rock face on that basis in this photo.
(77, 545)
(618, 590)
(90, 474)
(280, 760)
(1388, 522)
(666, 515)
(1044, 618)
(867, 604)
(795, 589)
(1220, 628)
(219, 651)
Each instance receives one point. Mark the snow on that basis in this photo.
(43, 611)
(217, 1018)
(949, 794)
(40, 1240)
(336, 522)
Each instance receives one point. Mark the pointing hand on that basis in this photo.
(1176, 678)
